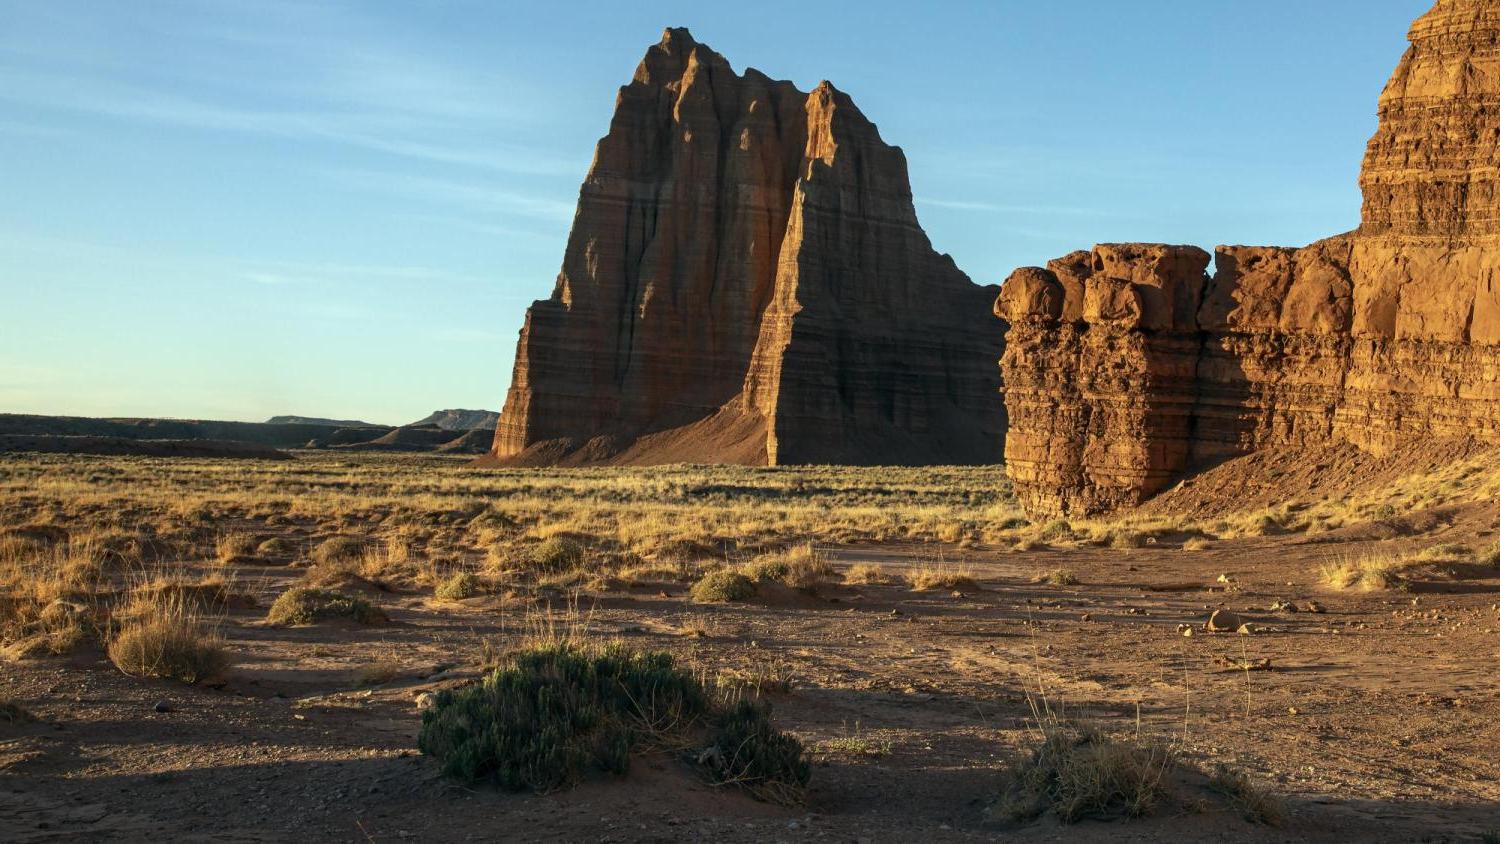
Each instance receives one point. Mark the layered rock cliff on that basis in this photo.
(1130, 364)
(746, 282)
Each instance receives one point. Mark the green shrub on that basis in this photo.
(555, 555)
(460, 585)
(555, 712)
(722, 585)
(548, 716)
(303, 605)
(747, 751)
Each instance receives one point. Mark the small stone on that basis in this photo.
(1088, 617)
(163, 706)
(426, 701)
(1314, 607)
(1185, 630)
(1246, 630)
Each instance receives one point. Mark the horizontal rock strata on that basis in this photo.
(746, 282)
(1127, 365)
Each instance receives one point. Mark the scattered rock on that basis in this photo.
(164, 706)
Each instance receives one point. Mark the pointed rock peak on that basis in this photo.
(677, 38)
(668, 59)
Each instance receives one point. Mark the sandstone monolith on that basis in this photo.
(746, 282)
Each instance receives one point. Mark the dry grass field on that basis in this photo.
(244, 650)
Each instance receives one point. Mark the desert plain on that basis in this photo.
(911, 628)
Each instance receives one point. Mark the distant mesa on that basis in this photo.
(746, 282)
(314, 420)
(1129, 363)
(461, 420)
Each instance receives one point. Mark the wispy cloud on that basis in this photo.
(445, 192)
(300, 72)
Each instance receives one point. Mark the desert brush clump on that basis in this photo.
(1367, 573)
(340, 550)
(745, 750)
(165, 637)
(235, 547)
(1252, 802)
(722, 586)
(459, 585)
(554, 555)
(308, 605)
(800, 567)
(931, 575)
(865, 574)
(13, 713)
(1057, 577)
(549, 716)
(1077, 771)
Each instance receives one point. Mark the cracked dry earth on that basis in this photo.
(1377, 718)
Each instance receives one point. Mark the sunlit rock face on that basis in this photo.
(1128, 365)
(746, 282)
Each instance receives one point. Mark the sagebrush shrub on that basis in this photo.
(339, 549)
(303, 605)
(550, 715)
(555, 712)
(721, 586)
(458, 586)
(746, 750)
(555, 555)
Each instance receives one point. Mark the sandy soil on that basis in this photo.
(1377, 719)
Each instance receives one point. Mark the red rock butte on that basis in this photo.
(746, 282)
(1128, 364)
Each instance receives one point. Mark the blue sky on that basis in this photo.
(232, 208)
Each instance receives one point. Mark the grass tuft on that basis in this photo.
(166, 638)
(1252, 802)
(1078, 772)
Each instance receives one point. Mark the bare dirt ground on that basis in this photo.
(1376, 719)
